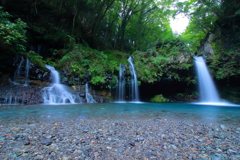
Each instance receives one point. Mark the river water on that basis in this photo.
(228, 114)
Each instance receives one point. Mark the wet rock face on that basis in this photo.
(40, 74)
(25, 69)
(17, 88)
(98, 96)
(23, 86)
(68, 79)
(205, 49)
(20, 94)
(13, 93)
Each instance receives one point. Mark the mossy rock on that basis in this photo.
(159, 98)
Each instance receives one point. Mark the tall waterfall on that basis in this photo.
(121, 84)
(58, 93)
(208, 91)
(134, 93)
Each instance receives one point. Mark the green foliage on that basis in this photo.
(83, 61)
(12, 33)
(84, 36)
(159, 98)
(170, 59)
(220, 20)
(202, 15)
(36, 59)
(180, 95)
(106, 24)
(151, 66)
(225, 65)
(231, 94)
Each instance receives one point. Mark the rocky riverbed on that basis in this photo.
(158, 138)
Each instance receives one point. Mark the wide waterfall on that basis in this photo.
(134, 93)
(121, 84)
(58, 93)
(208, 91)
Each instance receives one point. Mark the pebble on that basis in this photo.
(47, 141)
(223, 127)
(119, 139)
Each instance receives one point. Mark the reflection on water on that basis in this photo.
(187, 111)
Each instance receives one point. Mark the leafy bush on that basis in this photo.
(12, 33)
(159, 98)
(225, 65)
(84, 61)
(36, 59)
(153, 66)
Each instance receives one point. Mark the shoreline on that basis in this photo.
(155, 138)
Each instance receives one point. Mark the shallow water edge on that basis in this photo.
(229, 115)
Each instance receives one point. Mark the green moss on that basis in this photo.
(159, 98)
(36, 59)
(84, 61)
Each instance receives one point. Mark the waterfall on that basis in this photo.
(134, 94)
(27, 67)
(12, 94)
(121, 84)
(54, 74)
(12, 100)
(208, 91)
(22, 71)
(18, 70)
(58, 93)
(89, 97)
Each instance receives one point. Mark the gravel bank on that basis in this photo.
(107, 139)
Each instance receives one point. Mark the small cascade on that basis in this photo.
(58, 93)
(121, 84)
(208, 91)
(27, 68)
(13, 93)
(89, 97)
(12, 100)
(21, 75)
(134, 93)
(17, 73)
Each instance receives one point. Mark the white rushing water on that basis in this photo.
(22, 71)
(134, 93)
(20, 80)
(27, 68)
(208, 91)
(58, 93)
(89, 97)
(18, 70)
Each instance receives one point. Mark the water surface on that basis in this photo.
(181, 111)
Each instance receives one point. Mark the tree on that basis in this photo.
(202, 15)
